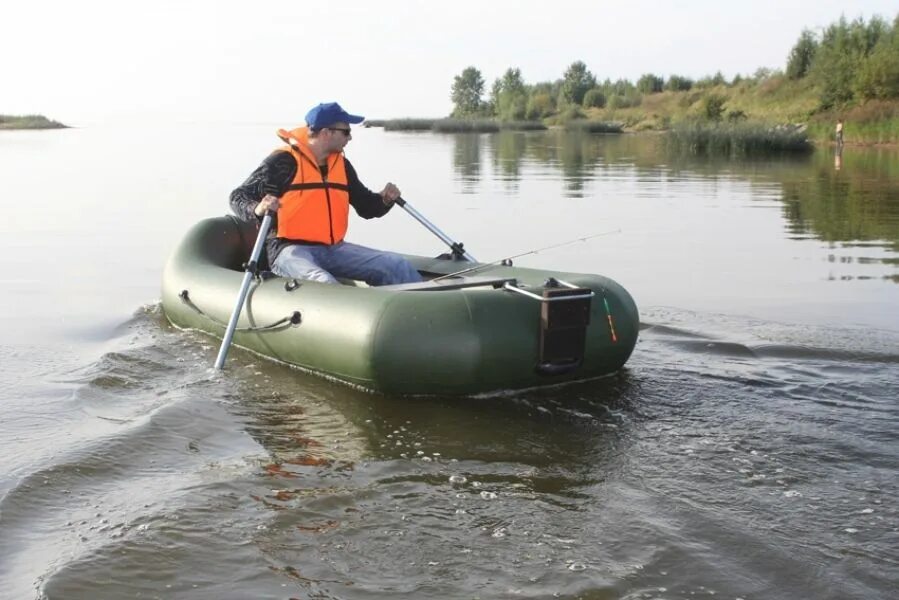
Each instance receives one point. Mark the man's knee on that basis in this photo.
(287, 265)
(398, 270)
(319, 275)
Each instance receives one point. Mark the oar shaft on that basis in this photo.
(244, 288)
(433, 229)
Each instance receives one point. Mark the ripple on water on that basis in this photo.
(768, 467)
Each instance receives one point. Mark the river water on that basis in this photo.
(748, 450)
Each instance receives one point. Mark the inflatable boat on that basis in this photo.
(468, 328)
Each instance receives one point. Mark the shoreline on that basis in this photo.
(23, 122)
(605, 127)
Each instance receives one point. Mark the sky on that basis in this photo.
(96, 61)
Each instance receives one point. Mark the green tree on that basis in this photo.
(763, 74)
(878, 76)
(468, 87)
(511, 95)
(621, 87)
(495, 91)
(801, 56)
(711, 80)
(676, 83)
(576, 82)
(650, 84)
(843, 50)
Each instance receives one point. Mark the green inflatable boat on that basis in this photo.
(468, 328)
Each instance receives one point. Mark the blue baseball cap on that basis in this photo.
(328, 113)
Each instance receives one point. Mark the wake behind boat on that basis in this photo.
(468, 328)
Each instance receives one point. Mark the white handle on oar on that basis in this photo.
(244, 288)
(454, 246)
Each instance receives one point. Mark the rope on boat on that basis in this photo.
(293, 319)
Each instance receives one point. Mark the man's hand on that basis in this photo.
(268, 203)
(390, 193)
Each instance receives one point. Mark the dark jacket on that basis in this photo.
(274, 175)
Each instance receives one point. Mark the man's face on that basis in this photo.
(338, 136)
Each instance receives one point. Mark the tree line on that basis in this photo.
(849, 61)
(846, 62)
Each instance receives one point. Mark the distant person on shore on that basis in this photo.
(839, 132)
(310, 186)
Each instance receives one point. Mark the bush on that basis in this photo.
(408, 124)
(442, 125)
(628, 101)
(540, 105)
(713, 107)
(465, 125)
(594, 99)
(571, 113)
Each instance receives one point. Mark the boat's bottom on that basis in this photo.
(498, 328)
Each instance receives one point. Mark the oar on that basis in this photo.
(244, 288)
(456, 247)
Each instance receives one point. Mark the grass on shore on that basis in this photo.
(29, 122)
(454, 125)
(737, 139)
(874, 122)
(777, 100)
(588, 126)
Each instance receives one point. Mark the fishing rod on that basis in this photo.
(508, 259)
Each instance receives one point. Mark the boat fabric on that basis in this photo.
(450, 339)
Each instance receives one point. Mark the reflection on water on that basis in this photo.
(574, 154)
(841, 197)
(857, 201)
(467, 159)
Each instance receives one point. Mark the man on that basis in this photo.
(310, 185)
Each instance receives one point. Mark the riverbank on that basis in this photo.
(29, 122)
(773, 101)
(451, 125)
(778, 101)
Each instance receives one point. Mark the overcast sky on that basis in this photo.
(94, 61)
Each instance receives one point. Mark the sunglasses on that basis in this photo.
(346, 131)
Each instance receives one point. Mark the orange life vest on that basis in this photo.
(314, 208)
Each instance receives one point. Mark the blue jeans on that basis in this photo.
(345, 260)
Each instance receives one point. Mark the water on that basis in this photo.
(748, 450)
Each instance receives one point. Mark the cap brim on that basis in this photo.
(354, 119)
